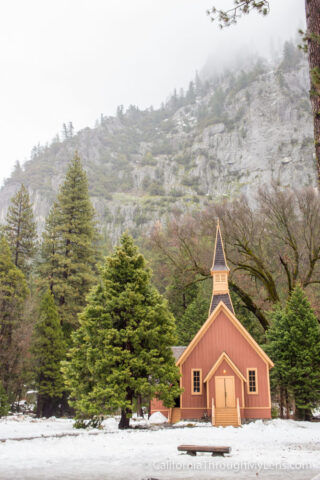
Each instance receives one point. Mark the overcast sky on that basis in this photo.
(71, 60)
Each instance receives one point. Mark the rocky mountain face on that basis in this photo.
(223, 137)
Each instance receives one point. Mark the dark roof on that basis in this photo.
(216, 299)
(219, 261)
(177, 352)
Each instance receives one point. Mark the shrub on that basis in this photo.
(156, 189)
(148, 159)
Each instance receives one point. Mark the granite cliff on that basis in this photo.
(226, 135)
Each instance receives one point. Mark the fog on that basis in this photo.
(72, 60)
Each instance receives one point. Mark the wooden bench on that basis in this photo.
(193, 449)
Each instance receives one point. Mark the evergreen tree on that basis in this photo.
(295, 347)
(49, 266)
(48, 350)
(20, 230)
(17, 172)
(191, 94)
(198, 84)
(4, 403)
(291, 56)
(122, 349)
(69, 258)
(248, 319)
(71, 130)
(179, 294)
(278, 338)
(64, 131)
(194, 316)
(13, 293)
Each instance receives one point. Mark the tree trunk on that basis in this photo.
(39, 406)
(125, 419)
(18, 396)
(287, 404)
(313, 39)
(250, 305)
(303, 414)
(139, 406)
(299, 414)
(281, 402)
(65, 409)
(48, 406)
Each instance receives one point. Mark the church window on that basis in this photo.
(196, 381)
(252, 381)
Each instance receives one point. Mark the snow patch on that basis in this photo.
(157, 419)
(138, 454)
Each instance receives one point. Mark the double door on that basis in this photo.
(225, 392)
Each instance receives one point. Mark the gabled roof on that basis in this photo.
(219, 258)
(222, 307)
(221, 297)
(177, 352)
(225, 357)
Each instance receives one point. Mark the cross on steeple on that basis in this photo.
(220, 273)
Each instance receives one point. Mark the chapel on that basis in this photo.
(224, 372)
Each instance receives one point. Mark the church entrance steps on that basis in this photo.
(225, 417)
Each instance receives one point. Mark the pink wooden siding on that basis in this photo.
(223, 336)
(156, 405)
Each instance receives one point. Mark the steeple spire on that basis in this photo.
(219, 258)
(220, 273)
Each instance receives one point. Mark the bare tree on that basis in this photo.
(270, 248)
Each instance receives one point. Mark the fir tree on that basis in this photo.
(13, 293)
(194, 317)
(279, 337)
(4, 403)
(48, 350)
(191, 94)
(122, 349)
(295, 347)
(68, 248)
(49, 266)
(291, 57)
(17, 172)
(20, 230)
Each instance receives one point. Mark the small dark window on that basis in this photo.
(196, 381)
(252, 377)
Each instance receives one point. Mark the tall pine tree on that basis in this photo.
(20, 230)
(69, 257)
(49, 266)
(13, 294)
(294, 344)
(48, 351)
(122, 349)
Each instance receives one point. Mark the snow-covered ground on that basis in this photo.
(278, 449)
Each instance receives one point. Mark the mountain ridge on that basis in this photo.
(222, 138)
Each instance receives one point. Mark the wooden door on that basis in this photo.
(225, 392)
